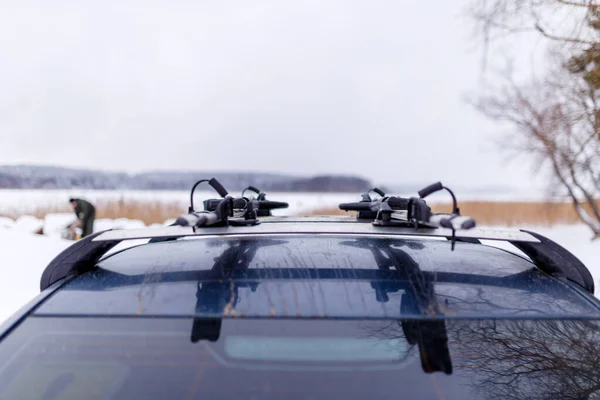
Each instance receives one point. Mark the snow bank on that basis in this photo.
(6, 223)
(169, 222)
(121, 223)
(23, 257)
(28, 223)
(55, 223)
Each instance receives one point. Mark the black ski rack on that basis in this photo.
(411, 212)
(238, 211)
(368, 208)
(259, 204)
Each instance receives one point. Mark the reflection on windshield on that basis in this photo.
(531, 359)
(316, 359)
(222, 295)
(515, 359)
(417, 298)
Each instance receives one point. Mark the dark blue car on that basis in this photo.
(307, 308)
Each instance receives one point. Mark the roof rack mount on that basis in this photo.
(228, 210)
(413, 211)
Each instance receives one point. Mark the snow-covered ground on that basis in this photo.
(24, 255)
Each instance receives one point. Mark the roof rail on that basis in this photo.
(548, 256)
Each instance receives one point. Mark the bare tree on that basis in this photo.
(538, 359)
(529, 359)
(563, 21)
(557, 118)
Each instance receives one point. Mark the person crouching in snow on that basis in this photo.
(86, 213)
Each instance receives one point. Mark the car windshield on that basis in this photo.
(141, 358)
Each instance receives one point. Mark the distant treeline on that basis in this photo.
(50, 177)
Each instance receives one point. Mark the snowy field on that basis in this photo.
(24, 255)
(29, 200)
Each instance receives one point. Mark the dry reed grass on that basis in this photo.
(504, 213)
(485, 212)
(148, 212)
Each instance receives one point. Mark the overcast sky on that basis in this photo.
(372, 88)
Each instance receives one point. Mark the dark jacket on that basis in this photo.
(85, 210)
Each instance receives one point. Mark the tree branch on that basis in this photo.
(565, 39)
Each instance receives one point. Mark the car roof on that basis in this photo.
(307, 275)
(547, 256)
